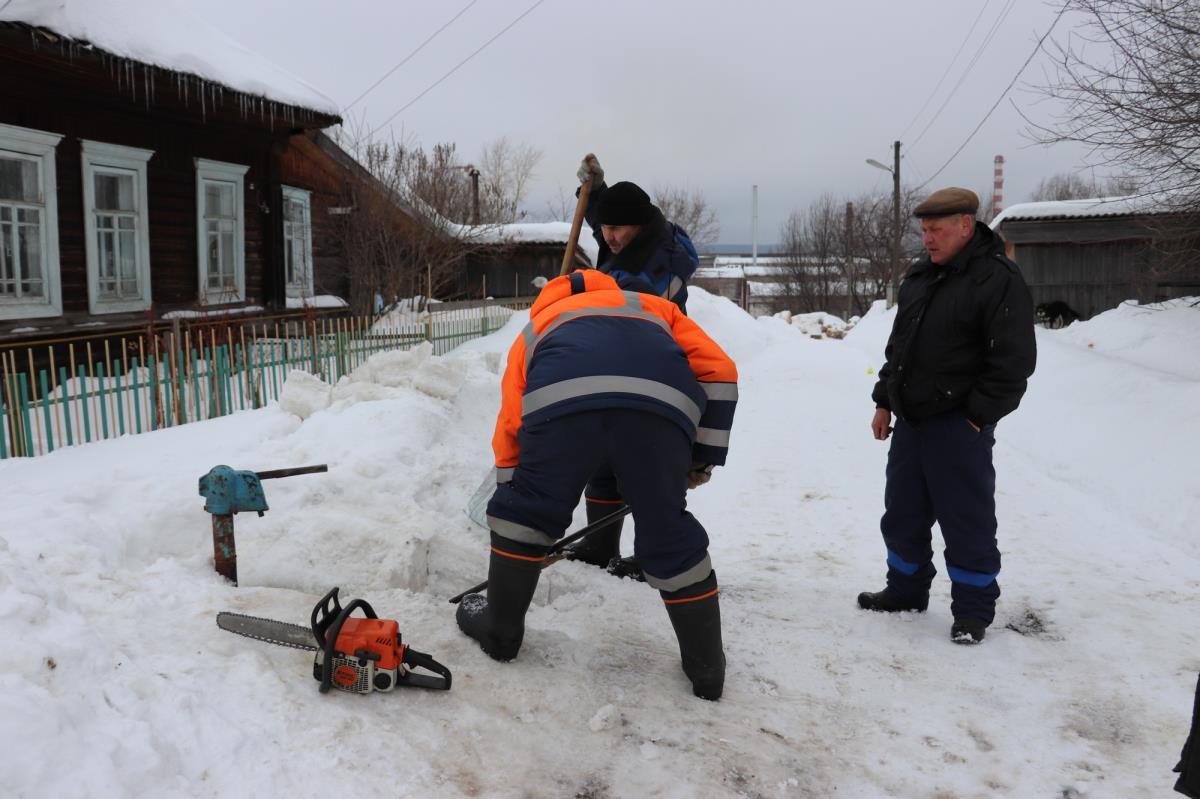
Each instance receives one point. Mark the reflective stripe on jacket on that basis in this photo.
(590, 345)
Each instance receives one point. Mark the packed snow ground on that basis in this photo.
(115, 680)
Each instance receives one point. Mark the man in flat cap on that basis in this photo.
(958, 360)
(643, 252)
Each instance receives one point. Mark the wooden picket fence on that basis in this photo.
(77, 391)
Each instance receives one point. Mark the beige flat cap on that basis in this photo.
(945, 202)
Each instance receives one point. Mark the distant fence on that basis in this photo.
(90, 389)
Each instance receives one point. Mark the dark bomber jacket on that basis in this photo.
(962, 339)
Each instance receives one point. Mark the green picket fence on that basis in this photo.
(116, 387)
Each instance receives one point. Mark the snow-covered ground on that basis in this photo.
(116, 682)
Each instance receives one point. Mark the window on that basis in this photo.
(117, 227)
(297, 241)
(29, 271)
(220, 218)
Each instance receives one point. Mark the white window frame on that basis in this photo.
(303, 196)
(116, 159)
(37, 145)
(221, 172)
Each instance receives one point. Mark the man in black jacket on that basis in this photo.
(958, 360)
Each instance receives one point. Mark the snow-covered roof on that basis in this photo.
(533, 233)
(1080, 209)
(168, 34)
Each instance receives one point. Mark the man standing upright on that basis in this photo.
(641, 250)
(958, 360)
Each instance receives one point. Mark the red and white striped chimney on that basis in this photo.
(998, 187)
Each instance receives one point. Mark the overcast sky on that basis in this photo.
(718, 96)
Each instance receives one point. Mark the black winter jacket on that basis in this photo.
(963, 337)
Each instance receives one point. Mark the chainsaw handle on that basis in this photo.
(414, 658)
(331, 629)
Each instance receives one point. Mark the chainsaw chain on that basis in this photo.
(309, 648)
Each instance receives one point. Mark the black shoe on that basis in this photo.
(600, 547)
(497, 621)
(695, 614)
(888, 601)
(626, 567)
(967, 630)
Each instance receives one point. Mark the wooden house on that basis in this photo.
(149, 166)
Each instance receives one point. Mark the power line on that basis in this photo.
(991, 34)
(406, 59)
(1037, 48)
(456, 67)
(949, 66)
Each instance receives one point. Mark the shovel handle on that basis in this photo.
(556, 552)
(577, 221)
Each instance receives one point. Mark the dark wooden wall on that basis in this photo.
(509, 269)
(1095, 264)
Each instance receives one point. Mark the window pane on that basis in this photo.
(227, 258)
(30, 216)
(7, 286)
(125, 223)
(104, 245)
(127, 262)
(29, 243)
(114, 192)
(218, 200)
(18, 180)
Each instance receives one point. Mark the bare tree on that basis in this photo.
(1129, 79)
(689, 209)
(811, 246)
(505, 172)
(401, 234)
(1074, 186)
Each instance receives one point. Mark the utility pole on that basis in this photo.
(893, 286)
(895, 170)
(754, 228)
(849, 259)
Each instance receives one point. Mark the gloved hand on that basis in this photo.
(590, 167)
(699, 474)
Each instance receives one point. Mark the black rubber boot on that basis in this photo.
(603, 545)
(497, 621)
(888, 601)
(695, 614)
(967, 630)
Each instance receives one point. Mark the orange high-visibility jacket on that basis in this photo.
(589, 345)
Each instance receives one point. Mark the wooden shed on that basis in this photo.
(1095, 254)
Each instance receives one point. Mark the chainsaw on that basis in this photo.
(354, 654)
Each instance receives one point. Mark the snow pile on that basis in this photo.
(168, 34)
(817, 324)
(118, 680)
(1165, 335)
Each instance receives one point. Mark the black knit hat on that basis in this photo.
(624, 203)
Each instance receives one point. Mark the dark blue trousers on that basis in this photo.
(649, 456)
(941, 469)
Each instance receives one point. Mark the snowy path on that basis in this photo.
(105, 569)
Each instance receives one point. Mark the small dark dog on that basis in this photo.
(1056, 314)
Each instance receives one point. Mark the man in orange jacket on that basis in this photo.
(605, 375)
